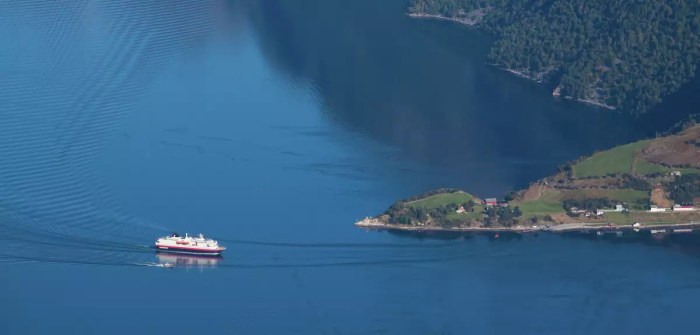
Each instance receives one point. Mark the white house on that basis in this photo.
(680, 208)
(655, 208)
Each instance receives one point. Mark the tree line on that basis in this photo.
(505, 216)
(401, 213)
(685, 189)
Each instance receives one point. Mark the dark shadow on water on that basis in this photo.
(422, 86)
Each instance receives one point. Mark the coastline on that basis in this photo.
(556, 93)
(475, 21)
(595, 103)
(589, 194)
(466, 22)
(517, 73)
(375, 224)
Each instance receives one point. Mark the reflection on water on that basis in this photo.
(685, 242)
(187, 261)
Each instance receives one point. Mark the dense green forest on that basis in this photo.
(623, 53)
(685, 189)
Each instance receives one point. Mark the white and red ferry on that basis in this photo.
(189, 245)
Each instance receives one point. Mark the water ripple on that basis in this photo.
(71, 73)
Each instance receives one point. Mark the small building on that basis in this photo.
(655, 208)
(617, 208)
(461, 210)
(683, 208)
(491, 201)
(676, 173)
(594, 213)
(576, 210)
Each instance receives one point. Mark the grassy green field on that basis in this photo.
(622, 195)
(548, 203)
(541, 206)
(618, 218)
(551, 202)
(616, 160)
(643, 167)
(438, 200)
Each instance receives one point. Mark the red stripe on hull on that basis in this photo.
(198, 250)
(201, 254)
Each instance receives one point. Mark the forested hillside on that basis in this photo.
(622, 53)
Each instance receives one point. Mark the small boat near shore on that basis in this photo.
(198, 245)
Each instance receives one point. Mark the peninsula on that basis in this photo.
(613, 54)
(650, 184)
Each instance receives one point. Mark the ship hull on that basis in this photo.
(188, 251)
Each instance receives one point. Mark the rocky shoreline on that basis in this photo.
(518, 73)
(443, 18)
(471, 18)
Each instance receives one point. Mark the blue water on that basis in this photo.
(273, 126)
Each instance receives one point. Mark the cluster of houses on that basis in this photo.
(494, 202)
(597, 212)
(586, 213)
(621, 208)
(675, 208)
(488, 202)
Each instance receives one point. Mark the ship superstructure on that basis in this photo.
(198, 245)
